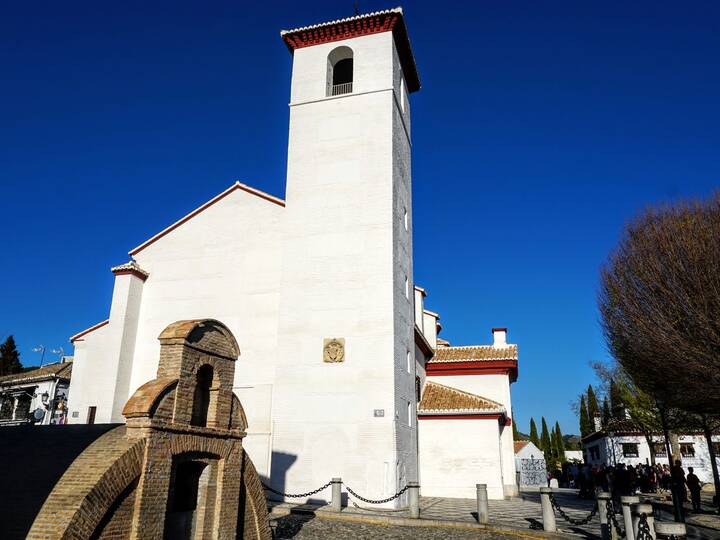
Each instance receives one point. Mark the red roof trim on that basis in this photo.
(474, 367)
(487, 416)
(235, 186)
(362, 25)
(77, 336)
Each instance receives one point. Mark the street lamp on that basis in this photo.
(59, 351)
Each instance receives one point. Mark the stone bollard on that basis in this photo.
(637, 511)
(483, 511)
(626, 501)
(548, 514)
(665, 530)
(414, 499)
(336, 501)
(605, 527)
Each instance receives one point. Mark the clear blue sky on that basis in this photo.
(540, 129)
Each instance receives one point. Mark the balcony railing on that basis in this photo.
(339, 89)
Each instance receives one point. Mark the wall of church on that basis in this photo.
(90, 385)
(457, 454)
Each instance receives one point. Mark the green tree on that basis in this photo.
(9, 358)
(593, 407)
(585, 426)
(534, 434)
(616, 400)
(516, 435)
(559, 443)
(545, 444)
(606, 415)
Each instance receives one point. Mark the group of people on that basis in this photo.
(622, 479)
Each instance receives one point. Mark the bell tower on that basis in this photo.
(344, 398)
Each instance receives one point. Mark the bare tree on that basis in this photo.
(660, 306)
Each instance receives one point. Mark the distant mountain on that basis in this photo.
(523, 436)
(572, 442)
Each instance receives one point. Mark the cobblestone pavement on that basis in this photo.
(306, 528)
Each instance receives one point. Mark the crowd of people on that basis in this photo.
(622, 479)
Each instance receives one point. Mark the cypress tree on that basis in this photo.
(9, 358)
(606, 416)
(559, 443)
(534, 434)
(545, 444)
(585, 428)
(516, 435)
(592, 405)
(616, 400)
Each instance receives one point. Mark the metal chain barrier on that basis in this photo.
(577, 522)
(297, 495)
(643, 532)
(612, 518)
(379, 501)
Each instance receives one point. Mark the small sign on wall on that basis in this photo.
(379, 413)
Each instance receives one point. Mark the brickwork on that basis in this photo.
(121, 485)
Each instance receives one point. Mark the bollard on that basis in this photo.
(548, 514)
(336, 501)
(666, 530)
(626, 501)
(605, 527)
(483, 511)
(637, 511)
(414, 499)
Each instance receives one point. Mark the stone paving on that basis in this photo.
(523, 514)
(307, 527)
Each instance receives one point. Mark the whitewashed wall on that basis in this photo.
(457, 454)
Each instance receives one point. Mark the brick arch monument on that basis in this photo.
(177, 469)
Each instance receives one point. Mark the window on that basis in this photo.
(716, 448)
(402, 94)
(687, 450)
(407, 288)
(409, 362)
(409, 409)
(594, 452)
(340, 71)
(630, 450)
(659, 450)
(91, 415)
(405, 219)
(201, 397)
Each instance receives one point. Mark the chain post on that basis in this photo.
(643, 521)
(336, 500)
(414, 499)
(626, 501)
(548, 515)
(603, 498)
(483, 511)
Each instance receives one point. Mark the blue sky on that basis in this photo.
(541, 128)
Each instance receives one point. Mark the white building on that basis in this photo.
(530, 465)
(623, 442)
(318, 290)
(38, 396)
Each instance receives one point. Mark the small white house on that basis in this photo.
(38, 396)
(623, 442)
(574, 456)
(530, 465)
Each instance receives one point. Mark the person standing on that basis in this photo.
(693, 484)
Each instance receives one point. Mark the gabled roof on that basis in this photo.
(59, 370)
(94, 327)
(474, 353)
(441, 399)
(519, 445)
(188, 217)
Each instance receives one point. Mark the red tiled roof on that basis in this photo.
(60, 370)
(474, 353)
(438, 398)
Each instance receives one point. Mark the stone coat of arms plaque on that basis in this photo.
(334, 350)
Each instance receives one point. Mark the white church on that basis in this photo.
(341, 370)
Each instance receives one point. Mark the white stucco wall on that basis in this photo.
(346, 260)
(457, 454)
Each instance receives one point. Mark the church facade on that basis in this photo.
(341, 371)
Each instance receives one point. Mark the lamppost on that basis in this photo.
(59, 351)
